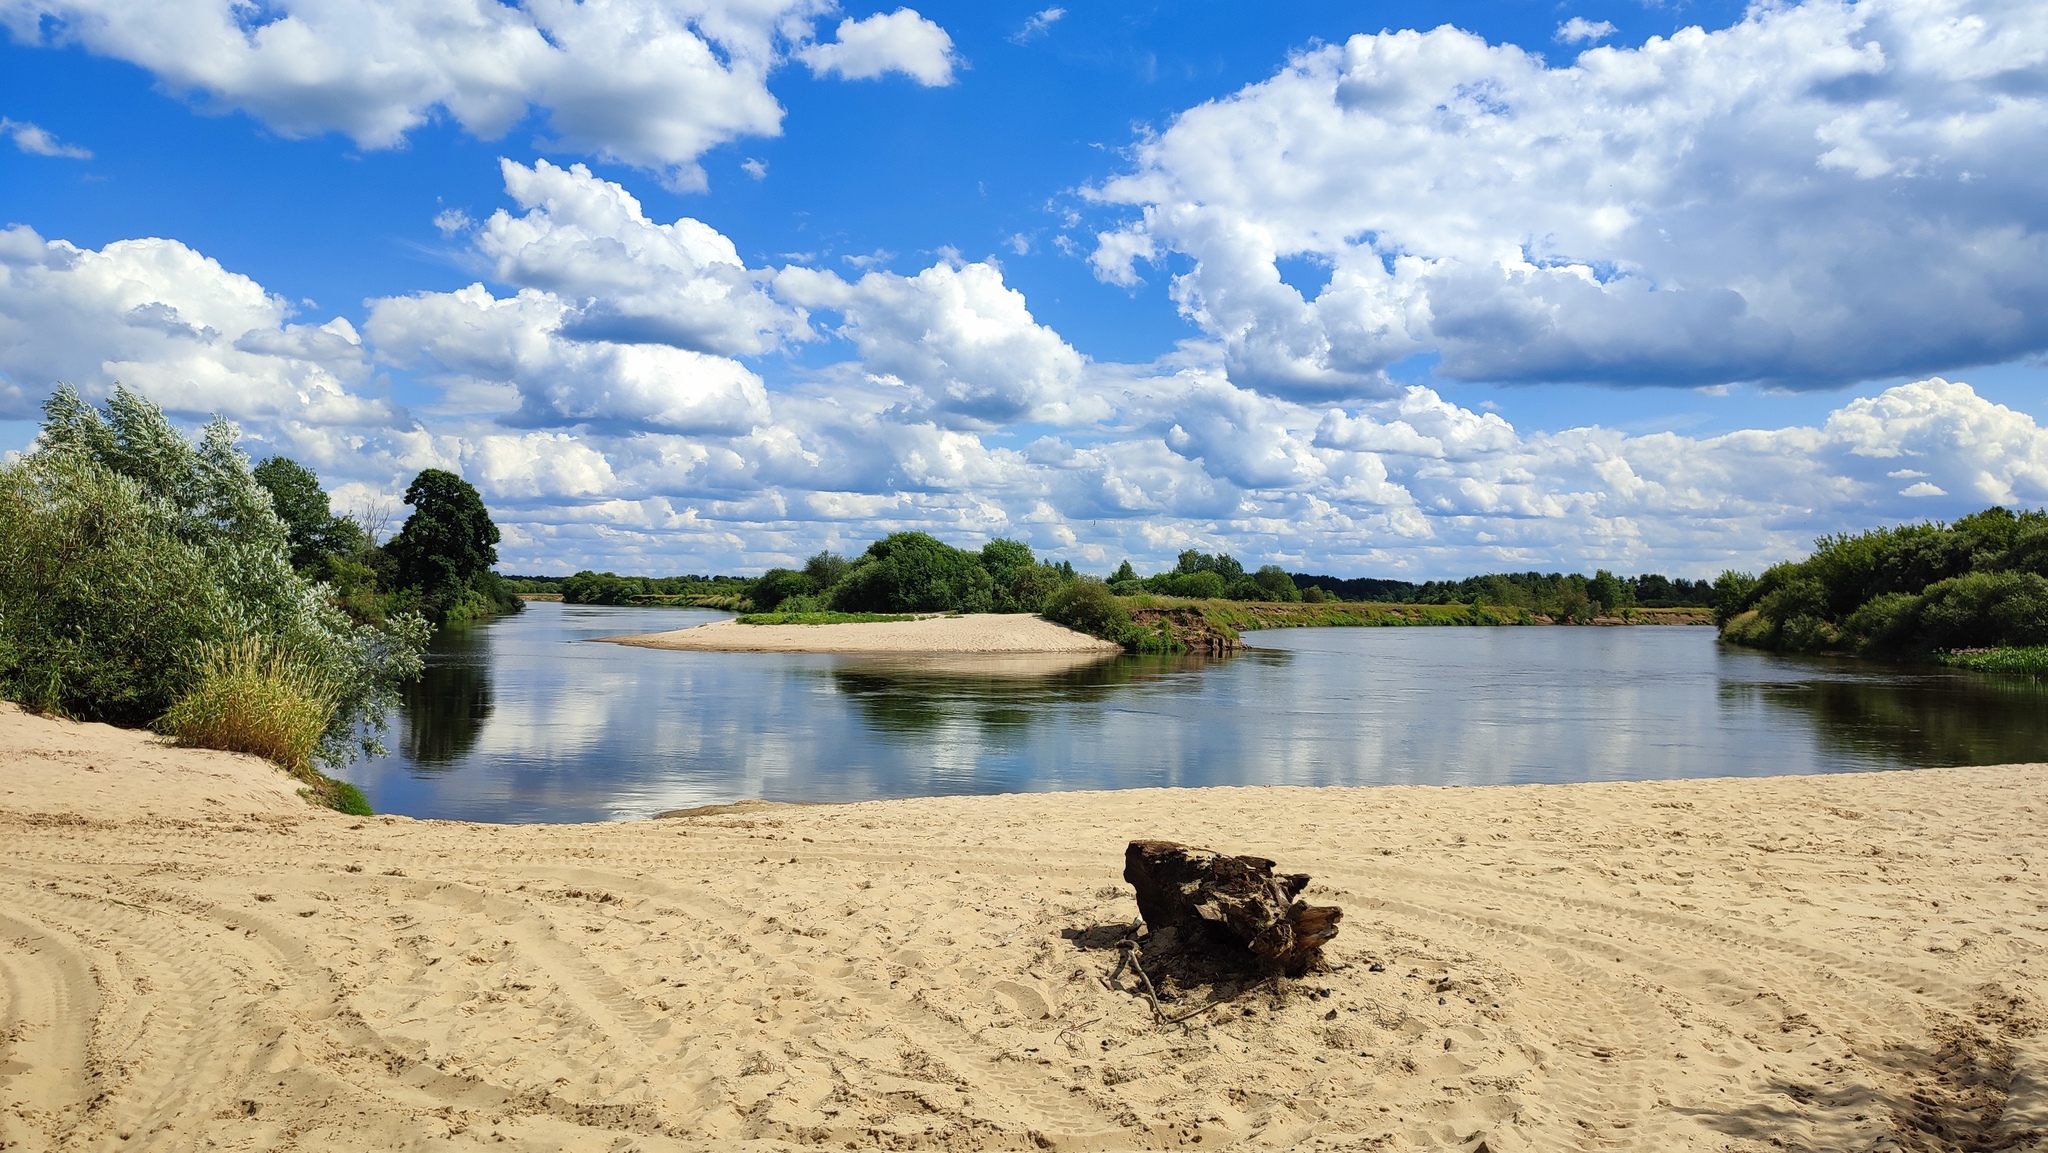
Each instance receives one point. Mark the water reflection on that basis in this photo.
(442, 714)
(1916, 717)
(523, 719)
(917, 696)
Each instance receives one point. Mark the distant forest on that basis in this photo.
(1520, 590)
(1196, 574)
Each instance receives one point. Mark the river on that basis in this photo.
(522, 719)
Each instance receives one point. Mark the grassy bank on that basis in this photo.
(1167, 624)
(2026, 660)
(824, 618)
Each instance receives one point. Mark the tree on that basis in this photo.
(1609, 591)
(449, 538)
(778, 585)
(915, 572)
(1276, 584)
(311, 526)
(826, 569)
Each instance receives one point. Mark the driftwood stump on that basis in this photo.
(1234, 908)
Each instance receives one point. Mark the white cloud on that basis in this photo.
(649, 83)
(899, 41)
(1579, 30)
(1820, 194)
(160, 317)
(754, 168)
(1038, 25)
(518, 341)
(963, 342)
(626, 278)
(39, 142)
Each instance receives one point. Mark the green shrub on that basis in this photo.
(916, 573)
(793, 617)
(1984, 610)
(250, 697)
(1276, 585)
(128, 554)
(1086, 605)
(776, 585)
(2029, 660)
(1886, 622)
(1199, 585)
(1734, 594)
(104, 608)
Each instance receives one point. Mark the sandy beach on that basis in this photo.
(971, 633)
(191, 957)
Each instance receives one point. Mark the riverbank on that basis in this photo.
(996, 633)
(193, 956)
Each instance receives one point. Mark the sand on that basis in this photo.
(972, 633)
(191, 958)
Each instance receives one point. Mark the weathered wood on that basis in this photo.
(1235, 906)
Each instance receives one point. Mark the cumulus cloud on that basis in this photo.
(628, 279)
(1820, 194)
(899, 41)
(963, 342)
(39, 142)
(650, 83)
(518, 341)
(158, 316)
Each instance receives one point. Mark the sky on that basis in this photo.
(1395, 290)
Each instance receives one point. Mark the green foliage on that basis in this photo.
(918, 573)
(821, 618)
(1917, 588)
(826, 569)
(595, 588)
(1085, 604)
(446, 551)
(1275, 585)
(252, 697)
(2026, 660)
(1201, 584)
(1733, 593)
(128, 554)
(776, 585)
(313, 530)
(1225, 566)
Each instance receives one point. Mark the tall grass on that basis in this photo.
(2030, 660)
(269, 700)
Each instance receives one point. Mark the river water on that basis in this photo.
(523, 720)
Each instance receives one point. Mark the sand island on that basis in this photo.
(191, 955)
(993, 633)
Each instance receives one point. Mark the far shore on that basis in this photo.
(995, 633)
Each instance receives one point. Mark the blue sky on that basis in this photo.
(1293, 281)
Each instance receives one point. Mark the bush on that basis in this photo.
(128, 554)
(1914, 588)
(1984, 610)
(103, 607)
(1086, 605)
(776, 585)
(250, 697)
(913, 572)
(1277, 585)
(1200, 585)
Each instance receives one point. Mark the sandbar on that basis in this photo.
(971, 633)
(192, 957)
